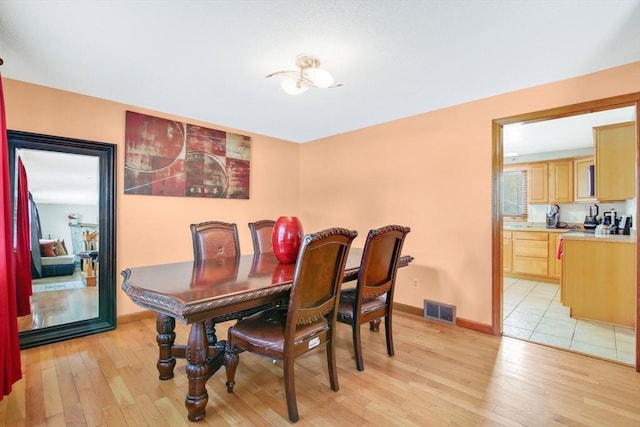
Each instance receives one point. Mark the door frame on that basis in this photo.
(632, 99)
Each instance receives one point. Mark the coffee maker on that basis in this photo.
(623, 223)
(591, 221)
(553, 216)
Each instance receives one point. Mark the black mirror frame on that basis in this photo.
(106, 154)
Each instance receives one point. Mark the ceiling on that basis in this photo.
(207, 60)
(61, 178)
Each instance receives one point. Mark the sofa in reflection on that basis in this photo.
(50, 258)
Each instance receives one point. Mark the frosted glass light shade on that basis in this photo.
(319, 77)
(291, 87)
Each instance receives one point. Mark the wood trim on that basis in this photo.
(627, 100)
(134, 317)
(408, 309)
(474, 326)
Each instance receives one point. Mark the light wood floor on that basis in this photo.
(440, 375)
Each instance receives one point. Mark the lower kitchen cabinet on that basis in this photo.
(599, 280)
(531, 253)
(555, 265)
(507, 251)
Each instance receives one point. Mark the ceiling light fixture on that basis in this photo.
(308, 75)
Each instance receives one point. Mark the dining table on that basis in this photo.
(194, 292)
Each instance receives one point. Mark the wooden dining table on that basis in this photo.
(194, 292)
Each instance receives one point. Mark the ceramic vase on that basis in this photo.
(286, 239)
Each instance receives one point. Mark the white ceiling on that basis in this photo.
(566, 134)
(207, 60)
(61, 178)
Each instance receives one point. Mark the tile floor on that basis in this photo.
(532, 311)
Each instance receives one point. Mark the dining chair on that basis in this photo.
(309, 320)
(261, 232)
(372, 298)
(215, 239)
(219, 241)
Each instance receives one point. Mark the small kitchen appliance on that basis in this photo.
(553, 216)
(591, 221)
(624, 224)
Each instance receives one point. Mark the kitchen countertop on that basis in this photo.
(534, 226)
(571, 233)
(581, 235)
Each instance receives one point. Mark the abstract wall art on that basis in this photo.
(170, 158)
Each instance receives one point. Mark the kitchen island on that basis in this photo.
(599, 277)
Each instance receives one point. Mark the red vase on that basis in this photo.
(286, 239)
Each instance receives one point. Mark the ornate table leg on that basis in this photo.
(165, 325)
(374, 325)
(231, 361)
(196, 354)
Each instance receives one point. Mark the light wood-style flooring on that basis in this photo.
(53, 308)
(440, 375)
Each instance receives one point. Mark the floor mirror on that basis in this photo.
(71, 188)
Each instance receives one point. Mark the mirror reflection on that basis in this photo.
(66, 241)
(536, 278)
(64, 223)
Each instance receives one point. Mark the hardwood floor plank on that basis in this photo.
(151, 414)
(91, 406)
(51, 393)
(172, 416)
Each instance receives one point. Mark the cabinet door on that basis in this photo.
(561, 181)
(615, 159)
(538, 183)
(599, 280)
(507, 252)
(582, 180)
(555, 265)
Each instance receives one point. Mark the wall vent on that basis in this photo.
(439, 311)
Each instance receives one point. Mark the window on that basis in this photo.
(514, 196)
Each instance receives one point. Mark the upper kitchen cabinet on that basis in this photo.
(583, 184)
(561, 181)
(615, 161)
(538, 188)
(551, 182)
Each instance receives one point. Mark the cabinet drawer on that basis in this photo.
(531, 248)
(531, 235)
(534, 266)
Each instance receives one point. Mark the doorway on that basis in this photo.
(528, 307)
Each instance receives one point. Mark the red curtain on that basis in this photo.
(23, 245)
(10, 370)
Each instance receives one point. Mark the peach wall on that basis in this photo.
(432, 172)
(153, 229)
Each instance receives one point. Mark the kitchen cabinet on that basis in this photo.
(599, 280)
(538, 183)
(561, 181)
(555, 265)
(583, 191)
(531, 253)
(551, 182)
(507, 251)
(615, 161)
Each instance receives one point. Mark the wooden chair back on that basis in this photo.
(215, 239)
(372, 298)
(261, 232)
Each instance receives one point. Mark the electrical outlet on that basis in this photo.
(416, 283)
